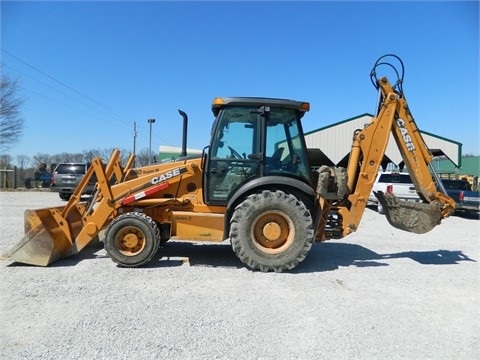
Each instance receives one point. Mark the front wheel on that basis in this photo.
(132, 239)
(271, 231)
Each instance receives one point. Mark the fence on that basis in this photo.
(14, 179)
(8, 178)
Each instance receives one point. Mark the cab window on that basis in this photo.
(285, 151)
(231, 163)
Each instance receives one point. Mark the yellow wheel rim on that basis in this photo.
(273, 232)
(130, 241)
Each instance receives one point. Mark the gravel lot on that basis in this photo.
(378, 294)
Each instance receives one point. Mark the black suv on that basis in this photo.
(67, 176)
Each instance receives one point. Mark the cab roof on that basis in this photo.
(219, 102)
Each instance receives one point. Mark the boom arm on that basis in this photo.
(368, 149)
(415, 152)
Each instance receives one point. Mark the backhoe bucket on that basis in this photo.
(45, 241)
(415, 217)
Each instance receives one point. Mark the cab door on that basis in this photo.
(232, 158)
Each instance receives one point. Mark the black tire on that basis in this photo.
(271, 231)
(132, 239)
(164, 233)
(64, 196)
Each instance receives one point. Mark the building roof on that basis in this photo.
(171, 152)
(335, 142)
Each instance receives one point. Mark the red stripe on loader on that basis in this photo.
(144, 193)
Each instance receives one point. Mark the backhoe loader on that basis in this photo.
(252, 185)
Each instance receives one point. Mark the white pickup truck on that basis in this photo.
(390, 182)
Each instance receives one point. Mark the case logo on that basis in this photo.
(407, 139)
(168, 175)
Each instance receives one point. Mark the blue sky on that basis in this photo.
(88, 70)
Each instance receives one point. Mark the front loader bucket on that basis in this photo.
(45, 241)
(415, 217)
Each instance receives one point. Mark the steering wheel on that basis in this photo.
(235, 153)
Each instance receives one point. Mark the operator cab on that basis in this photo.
(253, 138)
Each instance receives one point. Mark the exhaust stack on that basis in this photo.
(184, 132)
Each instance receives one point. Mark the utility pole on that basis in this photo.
(134, 136)
(150, 121)
(134, 140)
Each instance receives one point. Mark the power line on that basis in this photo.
(63, 84)
(99, 106)
(111, 111)
(59, 91)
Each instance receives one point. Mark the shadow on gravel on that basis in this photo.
(322, 257)
(178, 253)
(331, 256)
(467, 215)
(90, 252)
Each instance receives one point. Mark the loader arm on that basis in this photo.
(123, 194)
(55, 233)
(368, 148)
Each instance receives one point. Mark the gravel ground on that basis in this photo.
(378, 294)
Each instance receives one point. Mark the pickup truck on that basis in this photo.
(391, 182)
(461, 191)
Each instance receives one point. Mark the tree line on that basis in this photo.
(25, 162)
(15, 171)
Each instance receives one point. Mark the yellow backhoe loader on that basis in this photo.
(253, 185)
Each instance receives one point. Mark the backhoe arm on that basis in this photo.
(415, 153)
(368, 149)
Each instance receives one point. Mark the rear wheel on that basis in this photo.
(64, 196)
(271, 231)
(132, 239)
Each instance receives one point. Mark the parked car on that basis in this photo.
(67, 176)
(391, 182)
(461, 191)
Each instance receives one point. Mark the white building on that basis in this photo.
(331, 144)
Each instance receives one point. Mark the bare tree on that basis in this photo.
(11, 123)
(125, 155)
(77, 158)
(142, 157)
(60, 158)
(105, 154)
(88, 155)
(40, 158)
(23, 161)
